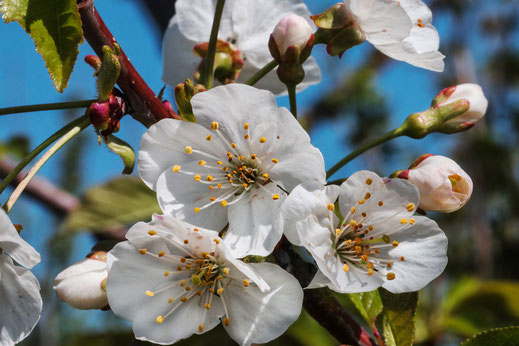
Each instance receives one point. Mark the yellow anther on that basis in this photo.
(211, 290)
(352, 210)
(390, 276)
(166, 273)
(403, 221)
(338, 231)
(275, 197)
(215, 125)
(348, 242)
(370, 265)
(370, 228)
(202, 163)
(197, 210)
(201, 328)
(188, 266)
(353, 223)
(395, 243)
(412, 221)
(197, 177)
(380, 203)
(244, 185)
(362, 201)
(219, 162)
(240, 157)
(402, 258)
(199, 293)
(162, 253)
(364, 214)
(216, 240)
(226, 322)
(176, 168)
(364, 258)
(208, 137)
(262, 140)
(367, 196)
(330, 206)
(410, 207)
(188, 288)
(211, 187)
(246, 283)
(389, 264)
(253, 156)
(370, 271)
(159, 319)
(207, 306)
(212, 199)
(196, 229)
(188, 150)
(223, 203)
(171, 300)
(219, 278)
(186, 241)
(220, 291)
(377, 250)
(246, 136)
(182, 283)
(246, 126)
(152, 232)
(369, 181)
(143, 251)
(265, 176)
(209, 178)
(183, 299)
(345, 267)
(275, 160)
(149, 293)
(226, 271)
(233, 145)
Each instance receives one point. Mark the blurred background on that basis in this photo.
(362, 95)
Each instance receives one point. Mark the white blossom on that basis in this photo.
(20, 299)
(401, 30)
(379, 242)
(233, 166)
(472, 93)
(172, 280)
(292, 30)
(246, 24)
(81, 284)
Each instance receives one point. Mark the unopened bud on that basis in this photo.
(467, 92)
(80, 285)
(292, 30)
(184, 92)
(442, 184)
(228, 61)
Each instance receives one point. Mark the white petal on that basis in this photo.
(14, 245)
(259, 317)
(382, 21)
(319, 280)
(304, 200)
(424, 248)
(251, 223)
(20, 302)
(195, 19)
(317, 240)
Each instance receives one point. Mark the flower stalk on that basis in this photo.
(209, 67)
(292, 97)
(262, 73)
(81, 124)
(46, 107)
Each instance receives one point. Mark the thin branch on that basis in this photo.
(146, 106)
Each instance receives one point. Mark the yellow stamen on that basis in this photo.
(162, 253)
(159, 319)
(330, 206)
(410, 207)
(246, 126)
(369, 181)
(143, 251)
(186, 241)
(149, 293)
(265, 176)
(198, 177)
(209, 178)
(166, 273)
(207, 306)
(215, 125)
(152, 232)
(246, 283)
(188, 150)
(226, 322)
(352, 210)
(275, 197)
(183, 299)
(171, 300)
(208, 137)
(176, 168)
(390, 276)
(223, 203)
(201, 328)
(275, 160)
(345, 267)
(202, 163)
(262, 140)
(403, 221)
(380, 203)
(197, 210)
(395, 243)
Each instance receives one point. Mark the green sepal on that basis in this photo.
(124, 150)
(108, 72)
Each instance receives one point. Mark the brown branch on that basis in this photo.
(146, 106)
(320, 303)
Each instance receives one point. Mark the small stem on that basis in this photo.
(25, 161)
(400, 131)
(211, 50)
(262, 73)
(47, 107)
(81, 124)
(292, 97)
(377, 335)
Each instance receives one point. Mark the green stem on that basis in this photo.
(211, 50)
(46, 107)
(292, 97)
(25, 161)
(80, 126)
(262, 73)
(400, 131)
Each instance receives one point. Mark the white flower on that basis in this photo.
(173, 280)
(400, 29)
(442, 183)
(246, 24)
(379, 243)
(232, 167)
(292, 30)
(81, 284)
(471, 92)
(20, 299)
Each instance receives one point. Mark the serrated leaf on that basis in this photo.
(501, 336)
(120, 202)
(369, 305)
(399, 312)
(55, 27)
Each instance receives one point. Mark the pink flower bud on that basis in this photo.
(82, 285)
(292, 30)
(470, 92)
(443, 185)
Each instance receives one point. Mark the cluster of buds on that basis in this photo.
(290, 45)
(184, 92)
(442, 183)
(454, 109)
(106, 116)
(83, 284)
(228, 61)
(337, 30)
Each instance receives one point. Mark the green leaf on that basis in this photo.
(55, 27)
(399, 313)
(120, 202)
(500, 336)
(369, 305)
(124, 150)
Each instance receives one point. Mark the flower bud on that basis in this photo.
(472, 93)
(228, 61)
(291, 30)
(443, 185)
(184, 92)
(83, 284)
